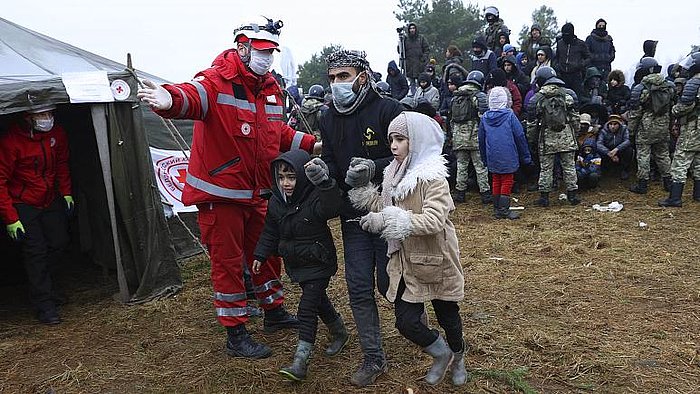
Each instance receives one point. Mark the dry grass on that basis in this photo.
(563, 300)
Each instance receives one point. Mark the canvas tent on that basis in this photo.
(121, 222)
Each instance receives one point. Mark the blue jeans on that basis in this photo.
(364, 253)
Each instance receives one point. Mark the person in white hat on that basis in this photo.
(35, 196)
(238, 107)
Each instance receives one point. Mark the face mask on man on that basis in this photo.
(343, 93)
(260, 61)
(43, 125)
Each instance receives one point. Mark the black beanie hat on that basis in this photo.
(567, 29)
(601, 20)
(497, 77)
(423, 77)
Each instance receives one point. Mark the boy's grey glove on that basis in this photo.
(373, 222)
(360, 172)
(317, 171)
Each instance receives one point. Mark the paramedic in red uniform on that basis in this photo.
(237, 107)
(35, 197)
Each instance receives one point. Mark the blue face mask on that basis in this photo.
(343, 93)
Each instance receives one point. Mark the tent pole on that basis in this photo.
(99, 122)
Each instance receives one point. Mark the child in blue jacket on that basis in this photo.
(503, 147)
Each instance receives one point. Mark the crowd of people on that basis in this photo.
(395, 157)
(378, 155)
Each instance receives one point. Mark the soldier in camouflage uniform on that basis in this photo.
(688, 145)
(650, 128)
(306, 118)
(468, 104)
(494, 27)
(553, 142)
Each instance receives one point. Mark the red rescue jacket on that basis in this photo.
(33, 169)
(237, 133)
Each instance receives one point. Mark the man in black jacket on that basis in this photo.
(354, 133)
(571, 59)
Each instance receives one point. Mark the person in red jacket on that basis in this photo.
(237, 107)
(35, 194)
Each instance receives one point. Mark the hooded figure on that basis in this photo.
(483, 59)
(301, 236)
(427, 91)
(618, 93)
(417, 49)
(397, 81)
(535, 41)
(600, 45)
(588, 162)
(571, 59)
(649, 48)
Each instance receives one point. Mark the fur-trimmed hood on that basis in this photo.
(430, 170)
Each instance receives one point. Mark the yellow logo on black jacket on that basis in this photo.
(369, 138)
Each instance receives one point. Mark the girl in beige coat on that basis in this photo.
(412, 214)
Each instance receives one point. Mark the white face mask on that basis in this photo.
(43, 124)
(260, 61)
(343, 93)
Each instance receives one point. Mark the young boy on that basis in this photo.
(412, 214)
(588, 170)
(296, 229)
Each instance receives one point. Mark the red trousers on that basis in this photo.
(230, 232)
(502, 184)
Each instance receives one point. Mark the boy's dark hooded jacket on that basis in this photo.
(295, 227)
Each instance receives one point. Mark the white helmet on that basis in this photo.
(261, 37)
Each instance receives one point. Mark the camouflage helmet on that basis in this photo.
(316, 91)
(476, 77)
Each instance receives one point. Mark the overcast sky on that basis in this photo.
(176, 38)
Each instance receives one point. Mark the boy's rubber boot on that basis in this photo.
(339, 337)
(297, 371)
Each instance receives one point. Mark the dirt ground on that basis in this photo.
(565, 299)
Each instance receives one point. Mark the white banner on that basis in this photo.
(170, 167)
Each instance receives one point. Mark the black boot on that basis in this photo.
(279, 318)
(339, 337)
(543, 201)
(572, 196)
(496, 204)
(696, 190)
(460, 196)
(486, 197)
(641, 187)
(297, 371)
(504, 211)
(674, 197)
(241, 344)
(667, 183)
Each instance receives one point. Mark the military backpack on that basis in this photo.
(660, 97)
(553, 110)
(464, 108)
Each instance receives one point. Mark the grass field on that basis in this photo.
(565, 299)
